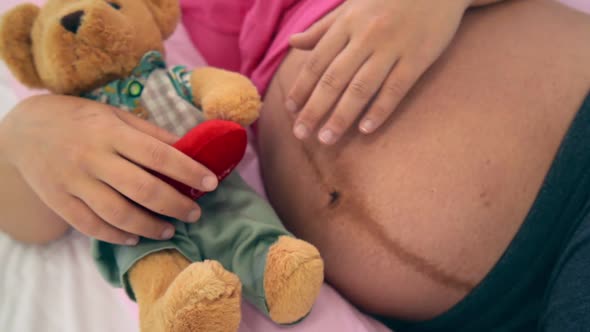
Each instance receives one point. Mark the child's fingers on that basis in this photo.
(329, 89)
(315, 66)
(308, 39)
(146, 127)
(155, 155)
(82, 218)
(145, 189)
(361, 90)
(119, 212)
(396, 86)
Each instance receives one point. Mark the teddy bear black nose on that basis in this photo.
(71, 22)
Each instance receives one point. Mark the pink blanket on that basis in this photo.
(251, 36)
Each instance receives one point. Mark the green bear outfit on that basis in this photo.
(237, 226)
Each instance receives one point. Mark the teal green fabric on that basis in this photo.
(126, 93)
(237, 226)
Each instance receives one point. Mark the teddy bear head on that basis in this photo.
(74, 46)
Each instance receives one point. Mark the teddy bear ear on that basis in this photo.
(16, 46)
(166, 13)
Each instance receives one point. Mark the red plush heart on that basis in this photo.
(217, 144)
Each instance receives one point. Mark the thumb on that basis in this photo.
(146, 127)
(308, 39)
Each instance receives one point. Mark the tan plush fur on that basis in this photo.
(292, 280)
(166, 13)
(176, 296)
(223, 100)
(108, 45)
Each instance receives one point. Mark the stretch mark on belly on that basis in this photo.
(335, 194)
(362, 216)
(356, 207)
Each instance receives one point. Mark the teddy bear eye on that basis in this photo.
(115, 5)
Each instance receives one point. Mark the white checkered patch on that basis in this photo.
(166, 108)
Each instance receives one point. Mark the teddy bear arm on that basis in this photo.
(225, 95)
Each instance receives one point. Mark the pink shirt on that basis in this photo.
(250, 36)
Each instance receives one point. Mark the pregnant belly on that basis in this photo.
(412, 218)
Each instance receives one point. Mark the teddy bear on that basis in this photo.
(111, 51)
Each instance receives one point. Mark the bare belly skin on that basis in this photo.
(412, 218)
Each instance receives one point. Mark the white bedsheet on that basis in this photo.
(56, 288)
(7, 97)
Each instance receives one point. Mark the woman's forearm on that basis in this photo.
(23, 216)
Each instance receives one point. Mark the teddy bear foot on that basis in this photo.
(293, 277)
(204, 297)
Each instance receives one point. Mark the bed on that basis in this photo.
(57, 288)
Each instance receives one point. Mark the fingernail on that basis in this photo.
(194, 215)
(209, 183)
(168, 233)
(327, 136)
(367, 126)
(301, 131)
(291, 105)
(132, 241)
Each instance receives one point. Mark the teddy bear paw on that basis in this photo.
(293, 277)
(204, 297)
